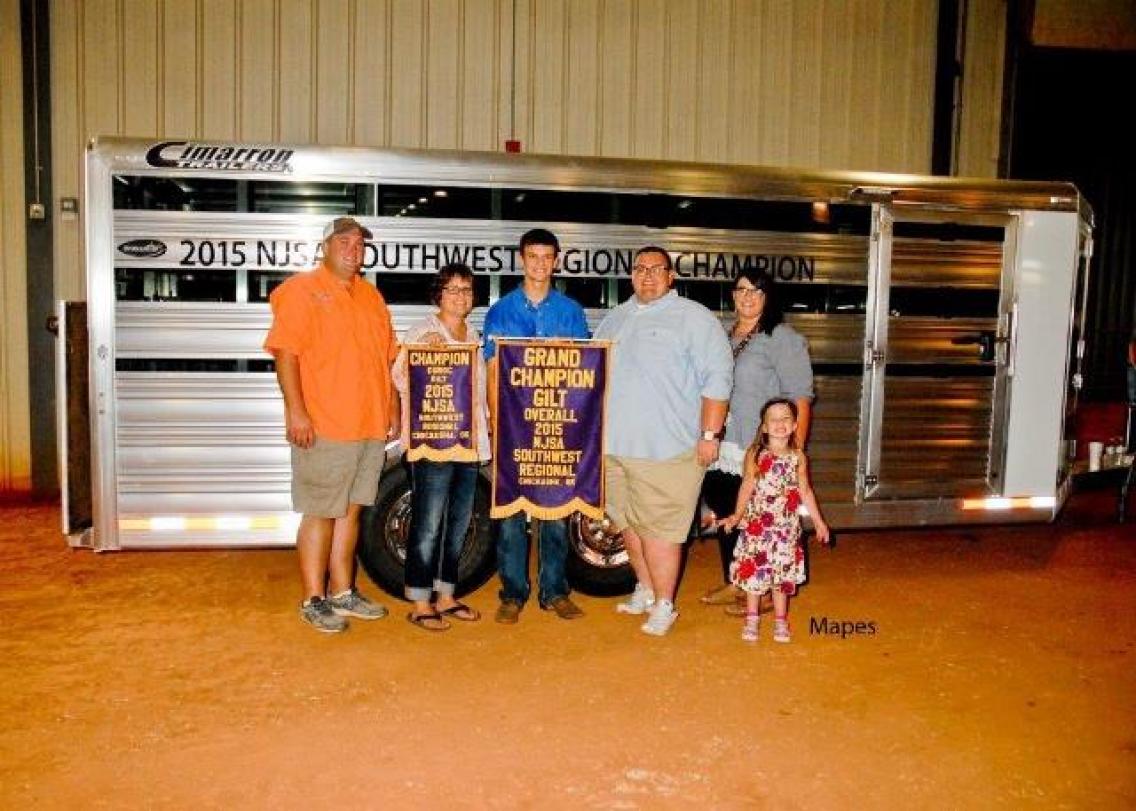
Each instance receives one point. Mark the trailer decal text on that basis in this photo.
(194, 155)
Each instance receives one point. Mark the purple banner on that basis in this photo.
(441, 398)
(548, 446)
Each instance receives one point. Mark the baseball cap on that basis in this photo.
(341, 225)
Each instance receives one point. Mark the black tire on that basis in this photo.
(383, 531)
(597, 562)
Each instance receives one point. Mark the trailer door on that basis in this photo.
(939, 315)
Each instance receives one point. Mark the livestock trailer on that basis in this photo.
(943, 317)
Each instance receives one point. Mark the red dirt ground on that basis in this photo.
(1000, 676)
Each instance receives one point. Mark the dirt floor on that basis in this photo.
(1000, 675)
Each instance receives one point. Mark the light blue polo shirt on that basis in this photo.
(667, 356)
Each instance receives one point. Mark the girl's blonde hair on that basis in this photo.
(761, 441)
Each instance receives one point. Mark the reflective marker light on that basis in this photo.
(993, 503)
(211, 523)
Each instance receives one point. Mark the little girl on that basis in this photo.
(768, 555)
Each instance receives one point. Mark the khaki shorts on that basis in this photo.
(329, 475)
(656, 498)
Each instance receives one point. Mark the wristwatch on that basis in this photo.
(711, 436)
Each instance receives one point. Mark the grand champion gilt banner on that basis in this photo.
(548, 447)
(442, 397)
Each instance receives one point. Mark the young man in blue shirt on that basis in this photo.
(535, 309)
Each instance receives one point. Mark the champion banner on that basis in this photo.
(442, 400)
(548, 447)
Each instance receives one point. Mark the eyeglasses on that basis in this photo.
(746, 292)
(458, 291)
(651, 270)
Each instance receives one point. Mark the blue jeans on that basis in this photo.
(441, 504)
(513, 559)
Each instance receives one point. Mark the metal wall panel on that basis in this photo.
(218, 98)
(67, 140)
(258, 113)
(979, 134)
(180, 67)
(15, 447)
(370, 72)
(296, 60)
(334, 58)
(141, 39)
(407, 77)
(444, 73)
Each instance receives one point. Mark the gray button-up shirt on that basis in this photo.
(770, 366)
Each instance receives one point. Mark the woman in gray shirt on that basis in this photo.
(771, 359)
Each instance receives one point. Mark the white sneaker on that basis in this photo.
(662, 617)
(640, 601)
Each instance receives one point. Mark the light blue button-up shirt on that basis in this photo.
(667, 356)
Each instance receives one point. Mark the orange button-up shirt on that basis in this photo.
(341, 332)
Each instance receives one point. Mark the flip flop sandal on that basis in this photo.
(462, 612)
(422, 620)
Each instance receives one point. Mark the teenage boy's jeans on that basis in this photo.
(513, 559)
(441, 504)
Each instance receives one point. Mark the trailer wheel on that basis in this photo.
(597, 561)
(384, 529)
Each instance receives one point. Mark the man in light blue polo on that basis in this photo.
(668, 392)
(534, 310)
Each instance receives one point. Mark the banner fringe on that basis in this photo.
(577, 504)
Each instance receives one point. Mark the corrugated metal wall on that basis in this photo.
(843, 84)
(15, 447)
(984, 59)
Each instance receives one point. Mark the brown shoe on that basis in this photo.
(738, 607)
(564, 608)
(720, 595)
(508, 612)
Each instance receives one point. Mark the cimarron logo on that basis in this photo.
(195, 155)
(143, 248)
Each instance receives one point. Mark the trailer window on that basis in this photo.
(145, 193)
(948, 231)
(943, 302)
(174, 285)
(434, 202)
(175, 194)
(760, 215)
(846, 299)
(708, 294)
(324, 199)
(535, 205)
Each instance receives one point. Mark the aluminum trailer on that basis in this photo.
(943, 317)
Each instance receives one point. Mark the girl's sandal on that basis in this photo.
(781, 629)
(750, 626)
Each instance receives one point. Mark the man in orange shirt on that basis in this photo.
(334, 344)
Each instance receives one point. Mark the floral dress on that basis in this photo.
(768, 554)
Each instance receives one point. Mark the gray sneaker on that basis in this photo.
(353, 604)
(317, 612)
(661, 618)
(640, 601)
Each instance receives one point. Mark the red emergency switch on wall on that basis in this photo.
(512, 146)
